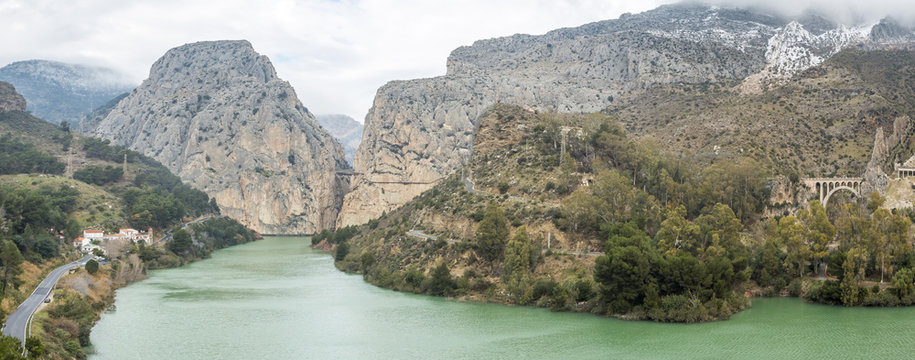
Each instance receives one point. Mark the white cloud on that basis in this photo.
(335, 53)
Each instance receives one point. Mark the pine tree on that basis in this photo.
(517, 255)
(491, 234)
(11, 259)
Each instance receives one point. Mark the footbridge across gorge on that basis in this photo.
(825, 187)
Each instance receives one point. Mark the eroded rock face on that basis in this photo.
(216, 114)
(10, 100)
(419, 131)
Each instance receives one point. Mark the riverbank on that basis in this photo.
(560, 284)
(65, 325)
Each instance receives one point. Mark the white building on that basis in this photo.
(93, 234)
(130, 233)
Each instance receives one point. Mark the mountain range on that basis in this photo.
(59, 92)
(420, 131)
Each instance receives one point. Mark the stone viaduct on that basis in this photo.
(825, 187)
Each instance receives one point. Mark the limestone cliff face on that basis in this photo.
(9, 99)
(216, 114)
(420, 131)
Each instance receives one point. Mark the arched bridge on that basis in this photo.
(825, 187)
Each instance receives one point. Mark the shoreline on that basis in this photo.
(81, 297)
(806, 285)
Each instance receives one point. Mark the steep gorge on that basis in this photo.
(216, 114)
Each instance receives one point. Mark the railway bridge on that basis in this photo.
(825, 187)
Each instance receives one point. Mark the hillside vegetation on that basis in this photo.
(53, 185)
(820, 123)
(571, 212)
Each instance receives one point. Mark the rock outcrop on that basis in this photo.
(216, 114)
(10, 100)
(60, 92)
(419, 131)
(875, 179)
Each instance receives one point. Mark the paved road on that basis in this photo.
(17, 323)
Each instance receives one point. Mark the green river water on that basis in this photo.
(278, 299)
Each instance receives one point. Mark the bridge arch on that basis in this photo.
(825, 187)
(835, 189)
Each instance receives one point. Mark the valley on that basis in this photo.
(686, 164)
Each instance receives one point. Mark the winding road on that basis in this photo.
(17, 323)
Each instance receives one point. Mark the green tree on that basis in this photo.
(581, 212)
(820, 232)
(517, 255)
(10, 348)
(10, 259)
(852, 226)
(440, 281)
(849, 284)
(791, 235)
(92, 267)
(615, 196)
(73, 230)
(491, 234)
(568, 173)
(875, 200)
(768, 265)
(181, 242)
(341, 251)
(903, 282)
(624, 272)
(34, 347)
(879, 239)
(719, 233)
(677, 234)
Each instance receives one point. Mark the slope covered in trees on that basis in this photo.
(148, 194)
(42, 210)
(571, 212)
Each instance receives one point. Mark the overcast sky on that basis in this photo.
(335, 53)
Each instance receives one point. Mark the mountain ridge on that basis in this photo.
(58, 91)
(216, 114)
(416, 127)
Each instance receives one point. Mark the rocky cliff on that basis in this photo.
(419, 131)
(346, 130)
(10, 99)
(60, 92)
(216, 114)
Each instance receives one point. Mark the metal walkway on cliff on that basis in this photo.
(350, 172)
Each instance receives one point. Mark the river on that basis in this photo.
(278, 299)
